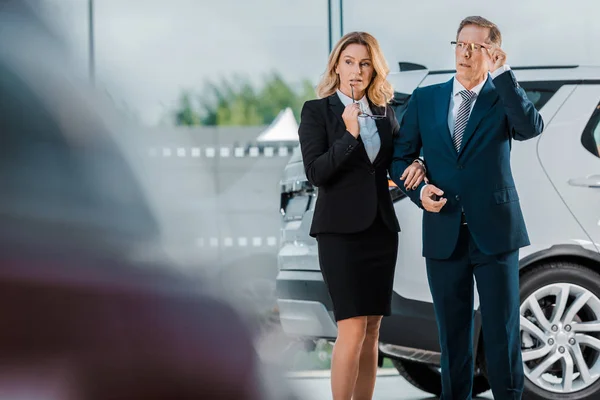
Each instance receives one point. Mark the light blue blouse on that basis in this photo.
(368, 128)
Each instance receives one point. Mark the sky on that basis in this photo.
(148, 51)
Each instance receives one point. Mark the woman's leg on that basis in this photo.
(346, 355)
(367, 370)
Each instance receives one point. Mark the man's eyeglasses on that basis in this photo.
(367, 115)
(472, 47)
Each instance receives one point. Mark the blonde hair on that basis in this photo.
(379, 90)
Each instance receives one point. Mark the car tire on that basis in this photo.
(428, 379)
(538, 284)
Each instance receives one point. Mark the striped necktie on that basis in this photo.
(462, 117)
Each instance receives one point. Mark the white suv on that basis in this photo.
(558, 179)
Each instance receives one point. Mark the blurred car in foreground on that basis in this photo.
(92, 305)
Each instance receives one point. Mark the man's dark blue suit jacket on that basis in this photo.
(477, 179)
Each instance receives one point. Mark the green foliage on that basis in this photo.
(238, 103)
(186, 115)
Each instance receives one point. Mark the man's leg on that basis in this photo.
(451, 285)
(498, 287)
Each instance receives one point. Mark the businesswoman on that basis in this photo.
(346, 142)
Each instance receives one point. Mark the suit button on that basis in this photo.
(460, 167)
(371, 171)
(457, 197)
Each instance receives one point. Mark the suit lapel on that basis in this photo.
(485, 100)
(337, 107)
(442, 108)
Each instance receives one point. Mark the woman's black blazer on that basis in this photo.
(351, 189)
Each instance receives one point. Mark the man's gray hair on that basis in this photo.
(495, 35)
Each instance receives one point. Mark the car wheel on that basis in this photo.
(428, 378)
(560, 331)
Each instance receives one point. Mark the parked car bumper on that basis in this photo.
(305, 308)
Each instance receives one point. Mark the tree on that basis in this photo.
(237, 102)
(186, 115)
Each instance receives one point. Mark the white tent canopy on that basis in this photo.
(283, 129)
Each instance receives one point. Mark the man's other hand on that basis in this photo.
(431, 198)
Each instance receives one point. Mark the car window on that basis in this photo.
(534, 96)
(590, 139)
(539, 97)
(540, 92)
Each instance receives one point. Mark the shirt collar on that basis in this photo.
(457, 87)
(348, 100)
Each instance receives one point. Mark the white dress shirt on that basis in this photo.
(368, 129)
(456, 100)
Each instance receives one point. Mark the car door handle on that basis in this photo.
(591, 181)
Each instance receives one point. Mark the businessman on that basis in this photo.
(472, 222)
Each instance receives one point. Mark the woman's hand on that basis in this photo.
(413, 175)
(350, 117)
